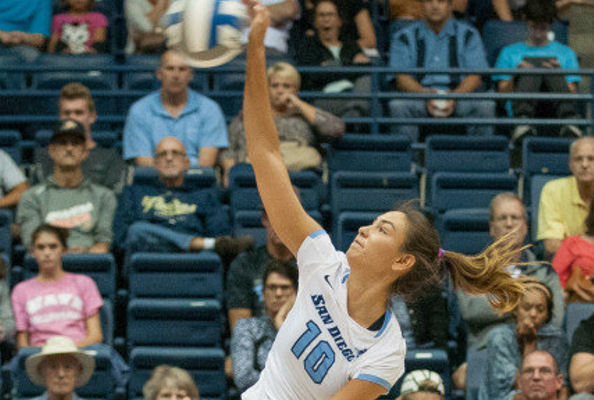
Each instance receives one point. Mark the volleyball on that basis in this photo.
(207, 32)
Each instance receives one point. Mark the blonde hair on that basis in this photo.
(167, 376)
(484, 273)
(285, 70)
(75, 91)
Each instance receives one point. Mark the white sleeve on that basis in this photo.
(317, 252)
(11, 175)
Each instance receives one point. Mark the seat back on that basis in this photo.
(575, 314)
(10, 142)
(189, 275)
(348, 226)
(202, 177)
(370, 153)
(465, 230)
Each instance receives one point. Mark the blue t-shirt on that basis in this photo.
(512, 55)
(30, 16)
(404, 50)
(200, 124)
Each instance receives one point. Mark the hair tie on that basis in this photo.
(441, 253)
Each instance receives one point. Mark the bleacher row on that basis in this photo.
(182, 322)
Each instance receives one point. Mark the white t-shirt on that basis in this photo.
(319, 348)
(277, 37)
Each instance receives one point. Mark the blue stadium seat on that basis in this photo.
(537, 182)
(203, 177)
(174, 322)
(100, 267)
(206, 365)
(10, 79)
(94, 78)
(574, 314)
(450, 190)
(107, 321)
(465, 230)
(244, 194)
(348, 226)
(370, 153)
(543, 156)
(102, 384)
(228, 90)
(10, 142)
(142, 80)
(197, 275)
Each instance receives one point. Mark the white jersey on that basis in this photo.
(319, 348)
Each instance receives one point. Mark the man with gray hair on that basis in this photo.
(538, 378)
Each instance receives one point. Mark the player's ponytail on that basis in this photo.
(486, 273)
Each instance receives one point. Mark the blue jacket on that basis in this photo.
(184, 209)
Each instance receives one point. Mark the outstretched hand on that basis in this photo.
(259, 20)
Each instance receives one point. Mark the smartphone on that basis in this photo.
(538, 61)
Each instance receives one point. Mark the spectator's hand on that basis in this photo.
(281, 315)
(525, 64)
(459, 377)
(292, 102)
(361, 58)
(525, 331)
(552, 63)
(77, 250)
(4, 37)
(260, 20)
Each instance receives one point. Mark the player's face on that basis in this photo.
(538, 379)
(277, 290)
(581, 160)
(378, 245)
(327, 21)
(279, 87)
(47, 251)
(508, 215)
(170, 158)
(175, 75)
(78, 110)
(533, 307)
(437, 11)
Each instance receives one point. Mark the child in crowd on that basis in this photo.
(79, 30)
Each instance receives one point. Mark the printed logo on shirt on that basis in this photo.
(39, 304)
(78, 215)
(319, 303)
(166, 209)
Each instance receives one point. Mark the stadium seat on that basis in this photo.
(244, 194)
(187, 275)
(11, 79)
(537, 182)
(107, 321)
(370, 153)
(465, 230)
(10, 142)
(543, 156)
(574, 314)
(102, 384)
(136, 79)
(174, 322)
(206, 365)
(202, 177)
(103, 138)
(100, 267)
(228, 90)
(348, 226)
(94, 78)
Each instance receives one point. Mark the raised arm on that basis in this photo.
(288, 218)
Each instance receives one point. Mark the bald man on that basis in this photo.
(564, 202)
(175, 110)
(172, 216)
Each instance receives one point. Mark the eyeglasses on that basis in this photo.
(173, 153)
(273, 288)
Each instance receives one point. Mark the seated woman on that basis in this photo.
(56, 302)
(300, 125)
(253, 337)
(574, 262)
(328, 48)
(507, 345)
(169, 383)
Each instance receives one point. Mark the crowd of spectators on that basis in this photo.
(81, 201)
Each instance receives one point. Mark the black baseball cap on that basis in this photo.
(68, 128)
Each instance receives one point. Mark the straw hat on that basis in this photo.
(60, 345)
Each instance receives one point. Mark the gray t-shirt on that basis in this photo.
(10, 174)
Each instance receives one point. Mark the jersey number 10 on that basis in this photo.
(320, 358)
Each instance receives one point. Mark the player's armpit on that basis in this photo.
(358, 389)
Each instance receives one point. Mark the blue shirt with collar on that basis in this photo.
(30, 16)
(405, 50)
(200, 124)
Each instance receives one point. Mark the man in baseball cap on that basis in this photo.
(60, 367)
(422, 384)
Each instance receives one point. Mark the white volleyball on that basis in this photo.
(207, 32)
